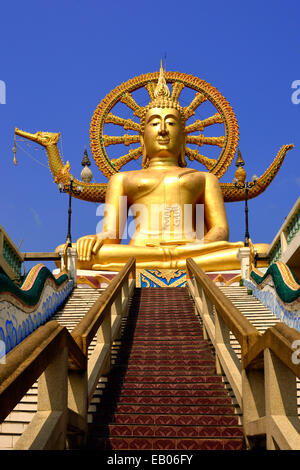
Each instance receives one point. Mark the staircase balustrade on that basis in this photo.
(264, 380)
(66, 376)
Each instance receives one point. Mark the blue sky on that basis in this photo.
(59, 60)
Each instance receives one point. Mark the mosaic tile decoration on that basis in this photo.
(268, 296)
(160, 278)
(10, 257)
(18, 319)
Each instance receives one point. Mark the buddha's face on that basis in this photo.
(163, 135)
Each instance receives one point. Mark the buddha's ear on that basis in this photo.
(144, 160)
(182, 160)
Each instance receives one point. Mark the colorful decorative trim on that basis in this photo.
(10, 257)
(95, 282)
(160, 278)
(293, 227)
(285, 283)
(24, 309)
(278, 290)
(276, 253)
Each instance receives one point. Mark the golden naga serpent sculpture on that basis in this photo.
(95, 192)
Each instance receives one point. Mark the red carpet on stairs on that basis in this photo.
(163, 392)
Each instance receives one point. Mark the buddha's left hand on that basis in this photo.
(90, 245)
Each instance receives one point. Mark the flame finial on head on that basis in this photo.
(162, 98)
(162, 89)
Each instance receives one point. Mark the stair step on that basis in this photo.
(180, 444)
(163, 384)
(206, 409)
(166, 430)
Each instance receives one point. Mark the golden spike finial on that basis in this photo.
(239, 160)
(162, 89)
(15, 150)
(240, 174)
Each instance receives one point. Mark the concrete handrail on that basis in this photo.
(245, 333)
(17, 375)
(40, 256)
(84, 332)
(66, 376)
(270, 389)
(281, 234)
(264, 382)
(279, 339)
(47, 354)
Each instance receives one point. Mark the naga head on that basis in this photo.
(43, 138)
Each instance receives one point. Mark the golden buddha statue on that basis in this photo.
(166, 198)
(160, 195)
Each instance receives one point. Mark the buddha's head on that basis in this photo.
(162, 127)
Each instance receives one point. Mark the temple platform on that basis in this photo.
(153, 278)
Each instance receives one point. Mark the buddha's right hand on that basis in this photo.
(89, 245)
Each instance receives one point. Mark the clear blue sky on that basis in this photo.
(60, 59)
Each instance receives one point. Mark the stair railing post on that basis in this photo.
(190, 282)
(53, 396)
(125, 288)
(48, 429)
(227, 362)
(99, 361)
(125, 296)
(208, 319)
(104, 337)
(77, 403)
(116, 316)
(253, 406)
(222, 338)
(244, 257)
(280, 399)
(198, 293)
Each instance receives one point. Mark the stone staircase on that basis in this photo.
(74, 309)
(163, 392)
(259, 315)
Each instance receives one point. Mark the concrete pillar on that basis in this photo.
(283, 241)
(71, 267)
(244, 257)
(72, 263)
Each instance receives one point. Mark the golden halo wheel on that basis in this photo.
(203, 92)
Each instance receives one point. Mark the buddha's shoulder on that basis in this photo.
(130, 175)
(192, 174)
(147, 173)
(123, 176)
